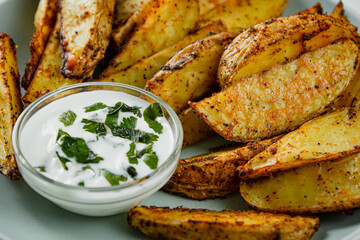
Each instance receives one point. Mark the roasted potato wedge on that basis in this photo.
(125, 9)
(282, 98)
(191, 73)
(238, 15)
(317, 8)
(329, 186)
(278, 41)
(185, 223)
(339, 12)
(328, 137)
(47, 76)
(44, 21)
(351, 96)
(10, 105)
(123, 32)
(214, 174)
(84, 35)
(143, 70)
(194, 128)
(168, 22)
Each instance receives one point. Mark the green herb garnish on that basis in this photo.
(87, 167)
(41, 168)
(67, 118)
(131, 154)
(134, 135)
(150, 114)
(63, 160)
(151, 160)
(129, 122)
(81, 184)
(95, 107)
(94, 127)
(122, 107)
(131, 171)
(77, 148)
(113, 179)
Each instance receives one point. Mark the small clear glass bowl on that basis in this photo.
(102, 201)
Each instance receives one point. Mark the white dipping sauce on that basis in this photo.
(39, 144)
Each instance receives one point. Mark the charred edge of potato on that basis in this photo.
(185, 223)
(317, 8)
(37, 45)
(339, 12)
(214, 174)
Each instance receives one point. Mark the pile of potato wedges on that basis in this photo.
(285, 90)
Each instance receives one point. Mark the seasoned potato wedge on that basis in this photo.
(125, 9)
(143, 70)
(194, 128)
(277, 41)
(214, 174)
(191, 73)
(320, 187)
(185, 223)
(124, 32)
(10, 105)
(238, 15)
(47, 76)
(282, 98)
(328, 137)
(44, 21)
(85, 35)
(351, 96)
(168, 22)
(317, 8)
(339, 12)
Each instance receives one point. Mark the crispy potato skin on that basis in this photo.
(185, 223)
(238, 15)
(338, 12)
(168, 22)
(317, 8)
(195, 129)
(10, 105)
(45, 18)
(282, 98)
(214, 174)
(330, 186)
(191, 73)
(124, 10)
(143, 70)
(351, 96)
(328, 137)
(47, 76)
(84, 35)
(278, 41)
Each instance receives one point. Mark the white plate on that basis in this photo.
(26, 215)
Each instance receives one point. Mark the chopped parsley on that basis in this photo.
(76, 148)
(131, 154)
(113, 179)
(150, 114)
(95, 107)
(131, 171)
(150, 159)
(41, 168)
(122, 107)
(94, 127)
(67, 118)
(63, 161)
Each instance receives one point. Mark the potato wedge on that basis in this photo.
(47, 76)
(191, 73)
(10, 105)
(125, 9)
(185, 223)
(214, 174)
(143, 70)
(84, 35)
(238, 15)
(351, 96)
(282, 98)
(168, 22)
(194, 128)
(124, 32)
(330, 186)
(338, 12)
(317, 8)
(328, 137)
(278, 41)
(44, 21)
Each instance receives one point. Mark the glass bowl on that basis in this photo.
(99, 201)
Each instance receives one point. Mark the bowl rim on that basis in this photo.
(28, 111)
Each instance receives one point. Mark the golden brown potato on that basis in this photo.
(185, 223)
(123, 32)
(328, 137)
(317, 8)
(214, 174)
(351, 96)
(278, 41)
(238, 15)
(194, 128)
(339, 12)
(329, 186)
(10, 105)
(191, 73)
(85, 35)
(168, 22)
(47, 76)
(44, 21)
(125, 9)
(282, 98)
(143, 70)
